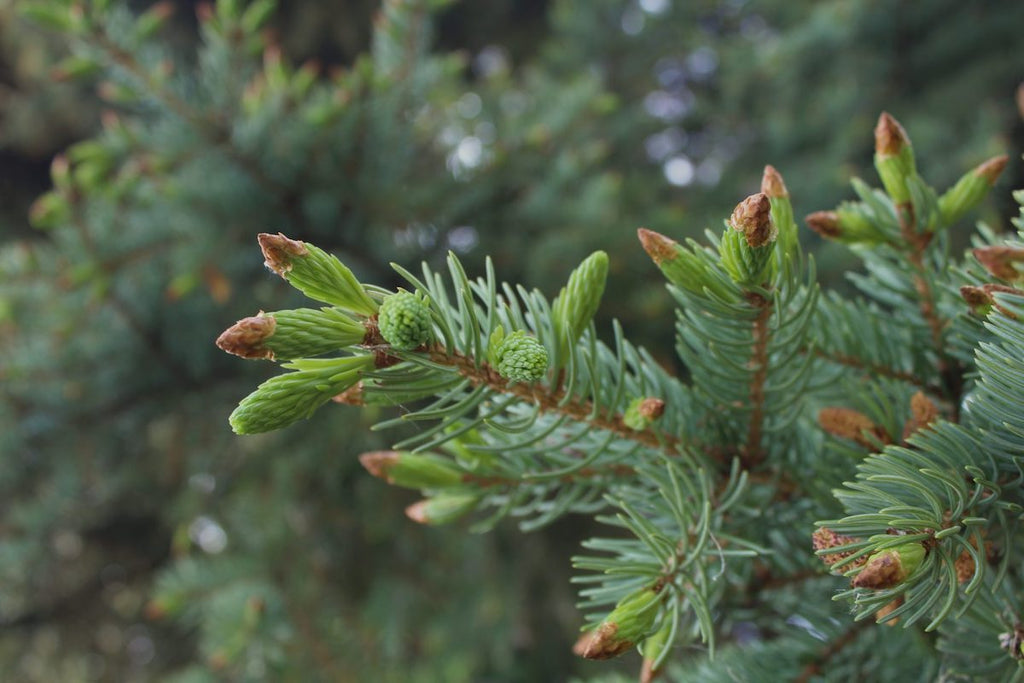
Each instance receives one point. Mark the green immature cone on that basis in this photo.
(411, 470)
(404, 321)
(890, 567)
(315, 273)
(746, 250)
(578, 301)
(443, 508)
(894, 158)
(971, 189)
(630, 622)
(294, 396)
(521, 358)
(298, 333)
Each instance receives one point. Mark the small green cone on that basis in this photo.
(521, 358)
(578, 301)
(404, 321)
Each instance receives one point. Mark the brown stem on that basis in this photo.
(488, 481)
(752, 452)
(918, 242)
(876, 370)
(551, 401)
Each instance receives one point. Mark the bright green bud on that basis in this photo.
(299, 333)
(443, 508)
(404, 321)
(295, 396)
(686, 268)
(655, 648)
(411, 470)
(746, 250)
(641, 412)
(971, 189)
(894, 157)
(773, 187)
(315, 273)
(848, 224)
(577, 303)
(890, 567)
(679, 265)
(630, 622)
(521, 358)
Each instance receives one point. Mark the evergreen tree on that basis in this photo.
(131, 507)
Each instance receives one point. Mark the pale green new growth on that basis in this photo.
(894, 414)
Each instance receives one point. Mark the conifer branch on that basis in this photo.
(752, 451)
(553, 401)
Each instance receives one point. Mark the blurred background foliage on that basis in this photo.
(143, 146)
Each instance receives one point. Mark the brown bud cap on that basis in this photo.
(999, 260)
(964, 567)
(647, 672)
(278, 251)
(991, 170)
(417, 512)
(825, 223)
(824, 538)
(603, 643)
(245, 338)
(378, 463)
(652, 408)
(890, 138)
(657, 246)
(981, 297)
(753, 217)
(922, 413)
(580, 646)
(965, 562)
(772, 184)
(353, 396)
(891, 567)
(884, 571)
(851, 424)
(888, 609)
(976, 297)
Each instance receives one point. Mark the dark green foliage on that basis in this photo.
(193, 554)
